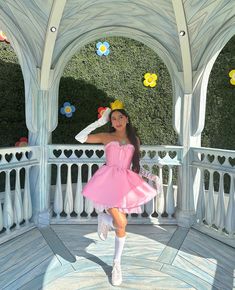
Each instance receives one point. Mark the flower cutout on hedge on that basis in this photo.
(102, 48)
(150, 80)
(22, 142)
(101, 111)
(232, 76)
(67, 110)
(3, 37)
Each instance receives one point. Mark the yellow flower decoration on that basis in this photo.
(232, 76)
(117, 105)
(150, 80)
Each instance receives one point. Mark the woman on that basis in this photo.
(116, 188)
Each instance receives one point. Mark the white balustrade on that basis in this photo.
(16, 204)
(69, 205)
(216, 209)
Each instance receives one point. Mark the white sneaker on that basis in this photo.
(103, 228)
(116, 273)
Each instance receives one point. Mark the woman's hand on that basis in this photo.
(105, 117)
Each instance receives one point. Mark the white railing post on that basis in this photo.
(230, 217)
(1, 217)
(18, 205)
(8, 215)
(88, 203)
(68, 200)
(220, 209)
(201, 199)
(210, 202)
(78, 203)
(169, 195)
(160, 200)
(58, 198)
(27, 203)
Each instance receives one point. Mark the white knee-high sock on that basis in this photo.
(119, 245)
(108, 220)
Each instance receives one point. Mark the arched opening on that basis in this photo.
(90, 81)
(12, 98)
(219, 128)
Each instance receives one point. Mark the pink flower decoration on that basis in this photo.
(22, 142)
(101, 111)
(3, 37)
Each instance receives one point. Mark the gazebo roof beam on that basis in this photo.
(184, 45)
(50, 39)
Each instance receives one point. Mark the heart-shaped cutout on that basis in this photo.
(152, 154)
(231, 161)
(142, 153)
(28, 154)
(89, 153)
(68, 153)
(210, 157)
(221, 159)
(78, 153)
(162, 154)
(172, 154)
(99, 153)
(57, 153)
(18, 155)
(8, 157)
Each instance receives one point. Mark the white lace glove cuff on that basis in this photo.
(82, 136)
(145, 173)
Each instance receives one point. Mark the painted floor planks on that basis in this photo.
(154, 257)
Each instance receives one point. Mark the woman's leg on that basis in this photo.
(119, 222)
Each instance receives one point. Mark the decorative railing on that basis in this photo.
(216, 195)
(15, 201)
(79, 162)
(213, 172)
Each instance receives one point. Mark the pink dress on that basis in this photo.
(115, 185)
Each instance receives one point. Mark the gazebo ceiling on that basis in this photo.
(45, 34)
(28, 24)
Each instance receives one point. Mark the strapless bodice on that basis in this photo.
(119, 155)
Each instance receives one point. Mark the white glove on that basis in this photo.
(82, 136)
(145, 173)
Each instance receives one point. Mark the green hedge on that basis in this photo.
(90, 81)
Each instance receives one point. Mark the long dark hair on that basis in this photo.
(132, 136)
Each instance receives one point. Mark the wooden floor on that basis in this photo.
(155, 257)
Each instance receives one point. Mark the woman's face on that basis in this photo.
(118, 121)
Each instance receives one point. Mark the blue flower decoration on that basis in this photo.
(102, 48)
(67, 110)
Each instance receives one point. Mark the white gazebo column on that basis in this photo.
(40, 175)
(188, 180)
(185, 213)
(47, 118)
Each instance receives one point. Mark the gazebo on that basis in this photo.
(188, 36)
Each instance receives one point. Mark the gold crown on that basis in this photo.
(117, 105)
